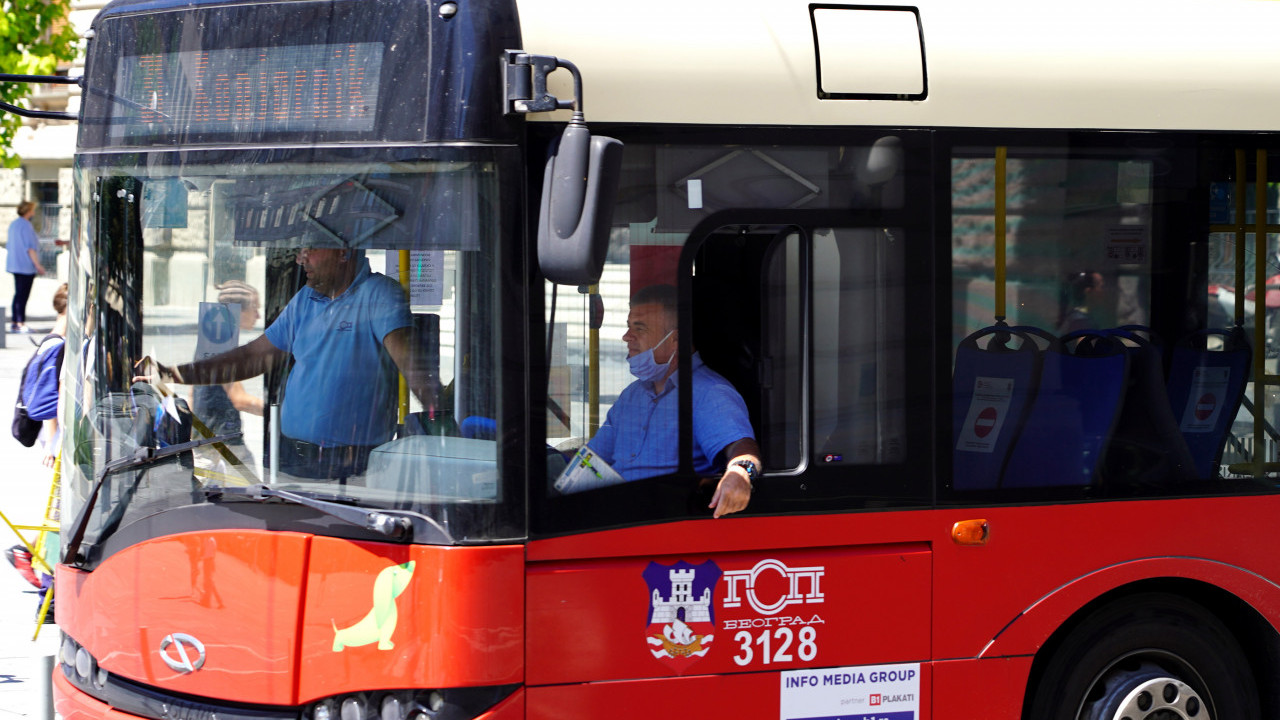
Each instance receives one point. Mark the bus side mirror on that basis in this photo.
(579, 188)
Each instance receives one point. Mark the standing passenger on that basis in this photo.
(1083, 293)
(219, 406)
(348, 332)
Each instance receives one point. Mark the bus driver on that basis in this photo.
(639, 436)
(340, 397)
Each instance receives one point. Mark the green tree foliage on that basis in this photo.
(35, 36)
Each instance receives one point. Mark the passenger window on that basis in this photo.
(1092, 355)
(1065, 248)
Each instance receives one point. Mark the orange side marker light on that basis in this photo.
(971, 532)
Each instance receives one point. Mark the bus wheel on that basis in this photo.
(1150, 657)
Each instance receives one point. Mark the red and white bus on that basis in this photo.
(985, 275)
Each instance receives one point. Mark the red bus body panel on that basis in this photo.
(459, 623)
(269, 608)
(239, 591)
(573, 618)
(600, 610)
(990, 608)
(1042, 564)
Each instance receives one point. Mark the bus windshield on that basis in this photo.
(370, 284)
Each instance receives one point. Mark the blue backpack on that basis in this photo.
(38, 393)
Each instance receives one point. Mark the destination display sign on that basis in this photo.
(294, 88)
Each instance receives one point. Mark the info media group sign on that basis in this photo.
(879, 692)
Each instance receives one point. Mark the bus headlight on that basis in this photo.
(323, 711)
(407, 704)
(84, 664)
(390, 709)
(353, 708)
(79, 666)
(68, 654)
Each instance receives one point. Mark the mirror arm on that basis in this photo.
(527, 83)
(39, 79)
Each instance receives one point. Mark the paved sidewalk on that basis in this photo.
(24, 490)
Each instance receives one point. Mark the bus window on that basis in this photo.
(799, 299)
(859, 345)
(1240, 285)
(752, 332)
(1065, 250)
(756, 335)
(1097, 347)
(203, 261)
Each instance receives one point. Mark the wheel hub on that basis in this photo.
(1150, 693)
(1162, 699)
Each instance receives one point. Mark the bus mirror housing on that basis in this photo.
(580, 182)
(580, 185)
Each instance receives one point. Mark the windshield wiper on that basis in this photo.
(399, 525)
(141, 456)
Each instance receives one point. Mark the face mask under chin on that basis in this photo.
(645, 368)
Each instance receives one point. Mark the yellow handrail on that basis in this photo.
(403, 391)
(1002, 156)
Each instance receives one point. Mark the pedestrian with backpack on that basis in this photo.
(36, 411)
(36, 418)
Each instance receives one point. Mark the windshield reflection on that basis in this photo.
(331, 326)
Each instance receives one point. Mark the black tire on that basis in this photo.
(1173, 650)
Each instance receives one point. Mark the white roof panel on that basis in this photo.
(1121, 64)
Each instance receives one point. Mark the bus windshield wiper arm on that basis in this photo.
(141, 456)
(395, 524)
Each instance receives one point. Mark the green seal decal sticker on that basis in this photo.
(380, 622)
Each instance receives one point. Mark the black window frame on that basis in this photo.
(813, 489)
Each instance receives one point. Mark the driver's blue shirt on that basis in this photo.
(343, 386)
(640, 436)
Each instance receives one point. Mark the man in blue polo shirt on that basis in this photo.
(640, 435)
(339, 402)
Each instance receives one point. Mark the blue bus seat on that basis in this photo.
(1205, 388)
(1080, 393)
(479, 428)
(992, 387)
(1141, 333)
(1041, 337)
(1146, 448)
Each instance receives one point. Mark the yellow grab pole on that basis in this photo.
(404, 386)
(1242, 186)
(1002, 156)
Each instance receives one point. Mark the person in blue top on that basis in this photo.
(219, 406)
(640, 435)
(23, 262)
(350, 334)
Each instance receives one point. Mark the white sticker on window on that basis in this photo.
(695, 194)
(1204, 404)
(986, 416)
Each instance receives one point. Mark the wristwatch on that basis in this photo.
(753, 472)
